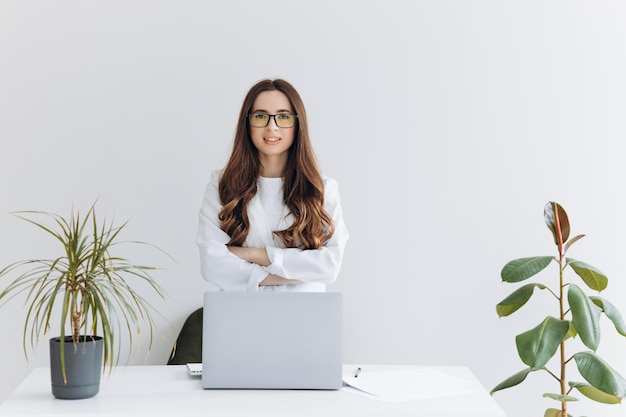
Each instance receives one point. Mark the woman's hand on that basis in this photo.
(272, 279)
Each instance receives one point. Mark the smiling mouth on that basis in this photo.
(271, 140)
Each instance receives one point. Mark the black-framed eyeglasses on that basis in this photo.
(283, 120)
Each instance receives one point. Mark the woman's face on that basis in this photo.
(272, 141)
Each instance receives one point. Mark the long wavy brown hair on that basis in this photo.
(303, 188)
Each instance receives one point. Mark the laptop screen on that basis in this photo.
(276, 340)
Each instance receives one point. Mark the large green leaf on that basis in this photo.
(594, 279)
(612, 313)
(595, 394)
(524, 268)
(517, 299)
(511, 381)
(600, 375)
(535, 347)
(585, 317)
(550, 219)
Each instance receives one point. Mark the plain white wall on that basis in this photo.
(448, 124)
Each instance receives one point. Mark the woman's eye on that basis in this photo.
(260, 116)
(284, 116)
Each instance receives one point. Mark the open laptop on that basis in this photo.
(275, 340)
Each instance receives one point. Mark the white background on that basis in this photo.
(448, 124)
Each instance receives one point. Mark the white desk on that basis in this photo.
(169, 390)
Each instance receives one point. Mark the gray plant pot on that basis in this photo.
(83, 367)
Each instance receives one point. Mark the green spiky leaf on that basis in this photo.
(87, 281)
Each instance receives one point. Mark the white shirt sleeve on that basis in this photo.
(314, 265)
(218, 265)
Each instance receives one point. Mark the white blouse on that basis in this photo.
(267, 213)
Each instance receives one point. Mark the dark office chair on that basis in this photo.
(188, 346)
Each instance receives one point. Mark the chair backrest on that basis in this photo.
(188, 346)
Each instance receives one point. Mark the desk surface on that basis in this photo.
(169, 390)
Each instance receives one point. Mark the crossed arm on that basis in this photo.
(259, 256)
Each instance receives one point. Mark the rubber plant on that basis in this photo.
(87, 289)
(578, 316)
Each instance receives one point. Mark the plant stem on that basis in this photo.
(76, 326)
(563, 361)
(561, 307)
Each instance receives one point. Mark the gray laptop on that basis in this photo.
(275, 340)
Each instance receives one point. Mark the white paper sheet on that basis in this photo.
(405, 384)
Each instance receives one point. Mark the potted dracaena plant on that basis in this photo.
(577, 315)
(87, 288)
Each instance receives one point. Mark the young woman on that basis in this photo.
(269, 220)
